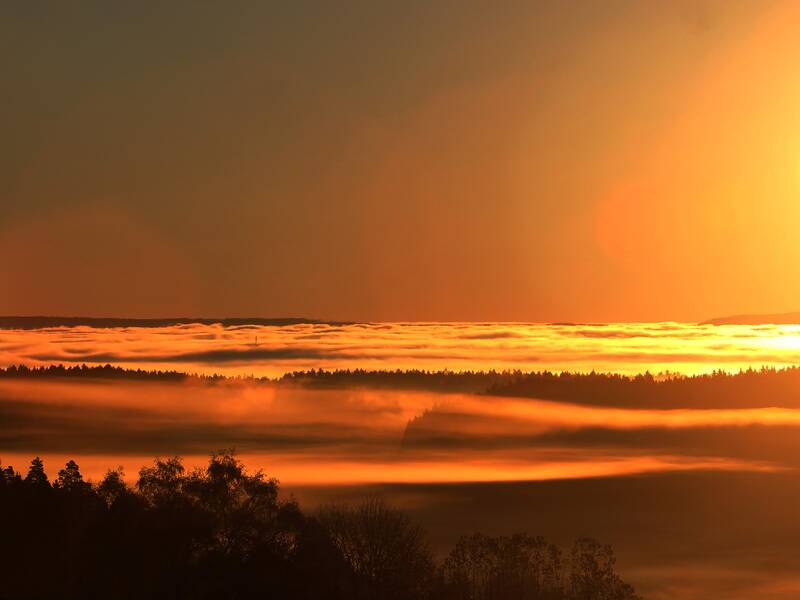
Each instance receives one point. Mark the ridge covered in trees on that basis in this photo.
(751, 388)
(224, 533)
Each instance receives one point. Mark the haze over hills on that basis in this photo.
(789, 318)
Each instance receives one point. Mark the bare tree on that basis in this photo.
(387, 555)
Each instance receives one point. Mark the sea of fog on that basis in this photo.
(272, 351)
(355, 436)
(698, 502)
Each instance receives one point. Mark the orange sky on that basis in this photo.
(592, 161)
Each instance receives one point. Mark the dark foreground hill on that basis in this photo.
(223, 533)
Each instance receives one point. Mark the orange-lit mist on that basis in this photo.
(352, 436)
(272, 351)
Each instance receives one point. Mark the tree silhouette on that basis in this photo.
(386, 554)
(36, 475)
(70, 479)
(520, 566)
(8, 476)
(592, 575)
(113, 486)
(162, 482)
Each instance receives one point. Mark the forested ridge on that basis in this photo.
(749, 388)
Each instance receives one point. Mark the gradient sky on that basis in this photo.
(370, 160)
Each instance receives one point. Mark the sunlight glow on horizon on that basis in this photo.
(627, 348)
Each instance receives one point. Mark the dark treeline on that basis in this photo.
(224, 533)
(454, 381)
(95, 372)
(451, 381)
(749, 388)
(444, 380)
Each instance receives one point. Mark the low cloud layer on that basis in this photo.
(272, 351)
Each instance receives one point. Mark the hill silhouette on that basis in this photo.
(751, 388)
(790, 318)
(224, 533)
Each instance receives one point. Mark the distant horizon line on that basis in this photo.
(37, 321)
(45, 321)
(791, 317)
(293, 320)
